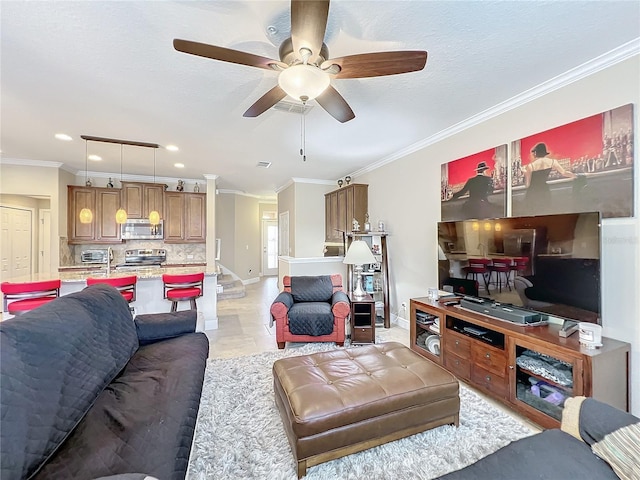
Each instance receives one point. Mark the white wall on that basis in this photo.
(309, 232)
(41, 180)
(406, 195)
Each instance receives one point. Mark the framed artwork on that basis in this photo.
(474, 186)
(583, 166)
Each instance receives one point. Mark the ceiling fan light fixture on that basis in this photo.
(303, 81)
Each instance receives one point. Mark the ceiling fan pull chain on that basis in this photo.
(303, 133)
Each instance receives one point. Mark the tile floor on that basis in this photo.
(243, 329)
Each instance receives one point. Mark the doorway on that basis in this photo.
(16, 226)
(269, 247)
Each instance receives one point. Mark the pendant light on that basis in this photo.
(154, 216)
(86, 215)
(121, 214)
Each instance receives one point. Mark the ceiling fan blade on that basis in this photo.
(335, 105)
(308, 25)
(378, 64)
(226, 54)
(265, 102)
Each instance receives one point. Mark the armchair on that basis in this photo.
(310, 309)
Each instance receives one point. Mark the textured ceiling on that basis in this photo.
(108, 69)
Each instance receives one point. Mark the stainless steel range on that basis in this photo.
(143, 257)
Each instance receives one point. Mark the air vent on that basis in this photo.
(263, 164)
(291, 107)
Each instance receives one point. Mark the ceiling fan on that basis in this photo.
(305, 70)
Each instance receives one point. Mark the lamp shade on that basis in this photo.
(303, 81)
(359, 254)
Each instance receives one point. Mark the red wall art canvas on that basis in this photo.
(583, 166)
(474, 186)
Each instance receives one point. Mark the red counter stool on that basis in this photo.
(24, 296)
(126, 285)
(519, 266)
(180, 288)
(478, 266)
(502, 269)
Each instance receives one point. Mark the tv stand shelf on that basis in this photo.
(531, 369)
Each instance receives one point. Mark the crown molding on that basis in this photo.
(315, 181)
(260, 198)
(606, 60)
(210, 176)
(30, 163)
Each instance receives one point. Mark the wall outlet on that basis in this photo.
(404, 305)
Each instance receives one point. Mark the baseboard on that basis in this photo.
(399, 321)
(251, 280)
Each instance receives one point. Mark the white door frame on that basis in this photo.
(266, 223)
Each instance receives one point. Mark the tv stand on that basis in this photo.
(569, 327)
(531, 369)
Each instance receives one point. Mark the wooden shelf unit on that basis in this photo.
(375, 282)
(493, 361)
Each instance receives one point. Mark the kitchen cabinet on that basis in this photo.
(185, 217)
(341, 207)
(142, 198)
(103, 202)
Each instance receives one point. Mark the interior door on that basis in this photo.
(16, 242)
(269, 247)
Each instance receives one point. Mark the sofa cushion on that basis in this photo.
(54, 362)
(312, 288)
(144, 420)
(550, 454)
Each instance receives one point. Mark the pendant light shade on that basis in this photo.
(121, 214)
(86, 215)
(154, 216)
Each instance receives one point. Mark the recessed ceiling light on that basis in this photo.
(63, 136)
(172, 148)
(178, 165)
(95, 158)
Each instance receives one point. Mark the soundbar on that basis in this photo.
(501, 311)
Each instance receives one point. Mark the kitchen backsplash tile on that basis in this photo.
(176, 253)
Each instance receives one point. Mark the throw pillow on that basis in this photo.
(620, 450)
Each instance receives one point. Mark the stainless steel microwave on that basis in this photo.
(141, 229)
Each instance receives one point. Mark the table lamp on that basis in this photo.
(358, 255)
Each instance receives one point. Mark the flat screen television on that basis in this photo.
(554, 262)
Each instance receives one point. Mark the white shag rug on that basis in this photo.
(239, 433)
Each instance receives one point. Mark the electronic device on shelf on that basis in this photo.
(501, 311)
(555, 268)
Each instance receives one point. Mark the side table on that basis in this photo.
(363, 319)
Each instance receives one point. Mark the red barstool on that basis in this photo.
(502, 268)
(478, 266)
(125, 285)
(24, 296)
(180, 288)
(519, 266)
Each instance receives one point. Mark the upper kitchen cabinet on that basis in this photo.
(142, 198)
(185, 217)
(341, 207)
(103, 203)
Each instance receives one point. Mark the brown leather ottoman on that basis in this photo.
(344, 401)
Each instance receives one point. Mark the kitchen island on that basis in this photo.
(149, 289)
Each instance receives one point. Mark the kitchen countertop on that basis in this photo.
(75, 276)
